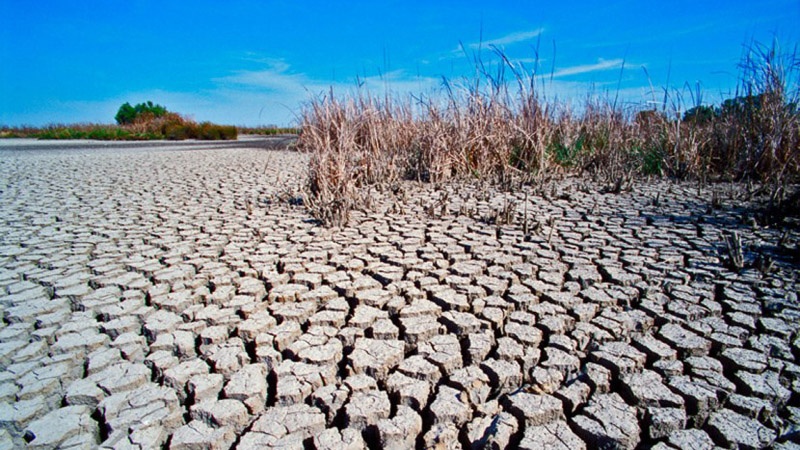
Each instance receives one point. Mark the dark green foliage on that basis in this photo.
(742, 106)
(566, 155)
(652, 161)
(700, 115)
(128, 114)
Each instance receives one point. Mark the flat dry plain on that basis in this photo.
(171, 295)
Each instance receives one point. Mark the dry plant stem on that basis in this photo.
(735, 255)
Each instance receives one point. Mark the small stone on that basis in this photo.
(545, 381)
(527, 335)
(294, 424)
(561, 361)
(460, 323)
(419, 329)
(655, 349)
(383, 329)
(360, 383)
(668, 368)
(159, 361)
(509, 349)
(122, 377)
(141, 408)
(177, 377)
(479, 345)
(84, 391)
(753, 407)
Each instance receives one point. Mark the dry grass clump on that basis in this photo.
(757, 134)
(493, 130)
(355, 142)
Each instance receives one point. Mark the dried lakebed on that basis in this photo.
(163, 296)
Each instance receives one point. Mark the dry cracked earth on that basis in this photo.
(175, 296)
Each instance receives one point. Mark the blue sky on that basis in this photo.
(254, 63)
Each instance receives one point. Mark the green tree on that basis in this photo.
(128, 114)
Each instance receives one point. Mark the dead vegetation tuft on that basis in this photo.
(500, 129)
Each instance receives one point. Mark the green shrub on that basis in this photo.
(128, 114)
(566, 155)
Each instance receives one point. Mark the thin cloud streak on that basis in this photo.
(512, 38)
(588, 68)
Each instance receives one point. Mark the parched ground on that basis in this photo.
(174, 296)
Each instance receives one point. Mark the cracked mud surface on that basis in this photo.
(168, 296)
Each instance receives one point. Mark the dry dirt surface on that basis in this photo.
(177, 296)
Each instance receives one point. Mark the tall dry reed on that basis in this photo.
(495, 129)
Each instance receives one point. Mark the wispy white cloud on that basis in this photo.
(588, 68)
(512, 38)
